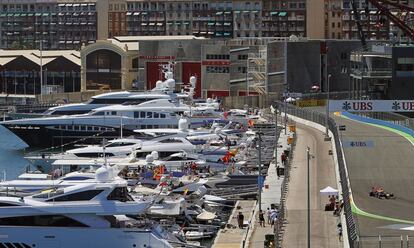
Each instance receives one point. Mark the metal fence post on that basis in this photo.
(379, 241)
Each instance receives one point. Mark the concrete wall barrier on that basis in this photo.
(379, 122)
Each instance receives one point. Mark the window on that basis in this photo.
(218, 56)
(80, 196)
(163, 116)
(136, 114)
(217, 69)
(156, 115)
(149, 115)
(242, 57)
(172, 140)
(333, 24)
(120, 144)
(119, 194)
(241, 69)
(141, 114)
(405, 67)
(43, 220)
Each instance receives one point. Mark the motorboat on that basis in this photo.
(33, 181)
(97, 214)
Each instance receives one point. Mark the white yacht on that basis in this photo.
(98, 214)
(163, 90)
(109, 122)
(106, 99)
(30, 182)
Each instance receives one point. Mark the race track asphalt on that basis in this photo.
(389, 163)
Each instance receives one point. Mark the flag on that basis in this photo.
(250, 123)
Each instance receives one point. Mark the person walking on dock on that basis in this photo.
(269, 220)
(262, 219)
(240, 220)
(339, 228)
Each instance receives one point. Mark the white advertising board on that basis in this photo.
(371, 105)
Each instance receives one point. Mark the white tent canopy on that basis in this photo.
(329, 191)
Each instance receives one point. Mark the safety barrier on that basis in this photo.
(281, 220)
(320, 118)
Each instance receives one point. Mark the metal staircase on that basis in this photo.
(257, 71)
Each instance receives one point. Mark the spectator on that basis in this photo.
(339, 228)
(240, 220)
(268, 216)
(261, 219)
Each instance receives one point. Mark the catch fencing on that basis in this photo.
(320, 118)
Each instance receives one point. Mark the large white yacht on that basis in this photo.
(98, 214)
(106, 99)
(108, 121)
(162, 90)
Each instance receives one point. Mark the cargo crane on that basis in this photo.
(396, 12)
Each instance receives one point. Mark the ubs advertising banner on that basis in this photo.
(371, 105)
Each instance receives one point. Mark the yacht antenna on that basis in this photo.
(121, 126)
(103, 151)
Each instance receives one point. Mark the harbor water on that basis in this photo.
(12, 163)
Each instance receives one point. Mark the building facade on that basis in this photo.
(382, 72)
(61, 24)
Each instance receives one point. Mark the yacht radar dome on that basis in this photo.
(103, 174)
(149, 159)
(154, 154)
(183, 124)
(193, 81)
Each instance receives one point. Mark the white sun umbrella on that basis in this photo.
(329, 191)
(290, 99)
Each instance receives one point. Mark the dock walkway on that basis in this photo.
(230, 237)
(271, 194)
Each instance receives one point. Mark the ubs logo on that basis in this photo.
(357, 106)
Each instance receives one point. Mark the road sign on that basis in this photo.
(260, 181)
(358, 143)
(292, 94)
(371, 105)
(342, 128)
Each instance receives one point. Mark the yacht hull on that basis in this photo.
(66, 237)
(46, 136)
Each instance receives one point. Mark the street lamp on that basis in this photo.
(327, 138)
(259, 180)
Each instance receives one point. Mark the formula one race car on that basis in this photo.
(379, 193)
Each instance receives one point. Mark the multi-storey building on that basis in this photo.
(61, 24)
(333, 19)
(53, 25)
(375, 25)
(284, 18)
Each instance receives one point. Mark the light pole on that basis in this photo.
(276, 138)
(41, 69)
(327, 138)
(259, 147)
(308, 182)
